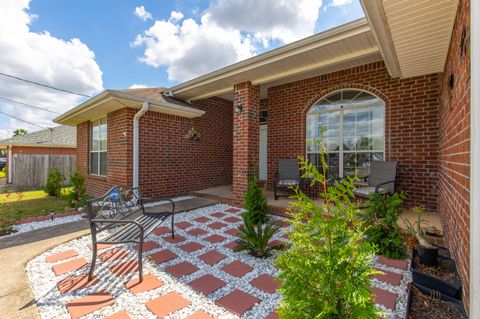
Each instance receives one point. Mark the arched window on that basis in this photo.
(351, 124)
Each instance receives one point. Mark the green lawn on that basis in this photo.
(17, 206)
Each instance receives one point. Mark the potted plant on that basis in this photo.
(193, 135)
(426, 303)
(427, 252)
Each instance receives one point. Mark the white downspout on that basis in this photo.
(10, 164)
(136, 142)
(475, 161)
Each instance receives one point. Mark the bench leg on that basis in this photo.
(140, 260)
(94, 259)
(172, 226)
(275, 196)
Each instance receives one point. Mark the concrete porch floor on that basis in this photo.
(225, 192)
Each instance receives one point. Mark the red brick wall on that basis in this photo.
(454, 146)
(29, 150)
(172, 165)
(410, 104)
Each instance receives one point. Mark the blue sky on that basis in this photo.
(115, 47)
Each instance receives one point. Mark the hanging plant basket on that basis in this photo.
(193, 135)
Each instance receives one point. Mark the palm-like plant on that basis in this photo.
(255, 237)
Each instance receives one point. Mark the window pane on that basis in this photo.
(103, 137)
(95, 137)
(333, 163)
(94, 163)
(103, 163)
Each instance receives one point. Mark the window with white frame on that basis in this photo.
(351, 125)
(98, 147)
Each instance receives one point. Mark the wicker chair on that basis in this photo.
(288, 175)
(381, 179)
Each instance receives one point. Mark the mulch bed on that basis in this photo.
(444, 270)
(427, 307)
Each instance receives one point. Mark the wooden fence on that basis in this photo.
(31, 171)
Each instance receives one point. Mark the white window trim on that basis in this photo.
(92, 124)
(341, 111)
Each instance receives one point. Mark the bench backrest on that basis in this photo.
(117, 203)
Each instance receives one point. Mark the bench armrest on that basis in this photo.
(377, 187)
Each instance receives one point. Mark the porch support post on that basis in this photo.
(246, 108)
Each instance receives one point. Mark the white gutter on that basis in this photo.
(10, 166)
(136, 125)
(475, 161)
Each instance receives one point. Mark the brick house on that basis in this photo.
(394, 86)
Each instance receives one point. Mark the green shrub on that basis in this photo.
(76, 197)
(53, 186)
(255, 202)
(254, 237)
(327, 271)
(381, 215)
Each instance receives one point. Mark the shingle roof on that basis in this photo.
(59, 136)
(154, 95)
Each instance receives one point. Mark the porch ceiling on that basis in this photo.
(349, 45)
(414, 36)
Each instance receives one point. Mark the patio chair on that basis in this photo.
(288, 175)
(381, 179)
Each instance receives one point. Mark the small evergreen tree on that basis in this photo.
(255, 202)
(327, 271)
(77, 195)
(53, 186)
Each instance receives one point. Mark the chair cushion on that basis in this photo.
(367, 191)
(288, 182)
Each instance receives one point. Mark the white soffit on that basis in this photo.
(413, 35)
(337, 48)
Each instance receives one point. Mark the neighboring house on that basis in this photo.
(31, 156)
(393, 86)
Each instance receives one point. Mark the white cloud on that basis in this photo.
(42, 58)
(142, 13)
(337, 3)
(228, 31)
(138, 86)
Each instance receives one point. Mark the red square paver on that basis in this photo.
(237, 269)
(273, 315)
(162, 230)
(395, 263)
(232, 232)
(73, 283)
(125, 268)
(167, 304)
(207, 284)
(202, 219)
(88, 304)
(232, 210)
(68, 266)
(212, 257)
(101, 246)
(162, 256)
(214, 239)
(61, 256)
(266, 283)
(197, 232)
(177, 239)
(277, 244)
(191, 247)
(183, 225)
(113, 254)
(149, 282)
(218, 214)
(232, 219)
(182, 269)
(200, 315)
(389, 277)
(385, 298)
(282, 223)
(237, 302)
(148, 246)
(119, 315)
(233, 245)
(217, 225)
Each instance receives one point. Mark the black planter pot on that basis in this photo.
(431, 292)
(428, 256)
(453, 290)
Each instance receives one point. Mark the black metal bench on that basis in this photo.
(112, 211)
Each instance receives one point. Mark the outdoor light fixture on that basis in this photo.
(239, 108)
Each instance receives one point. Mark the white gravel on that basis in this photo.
(27, 227)
(52, 304)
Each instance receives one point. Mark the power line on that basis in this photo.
(17, 118)
(29, 105)
(44, 85)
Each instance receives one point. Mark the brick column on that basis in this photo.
(245, 135)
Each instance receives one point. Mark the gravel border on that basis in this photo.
(51, 304)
